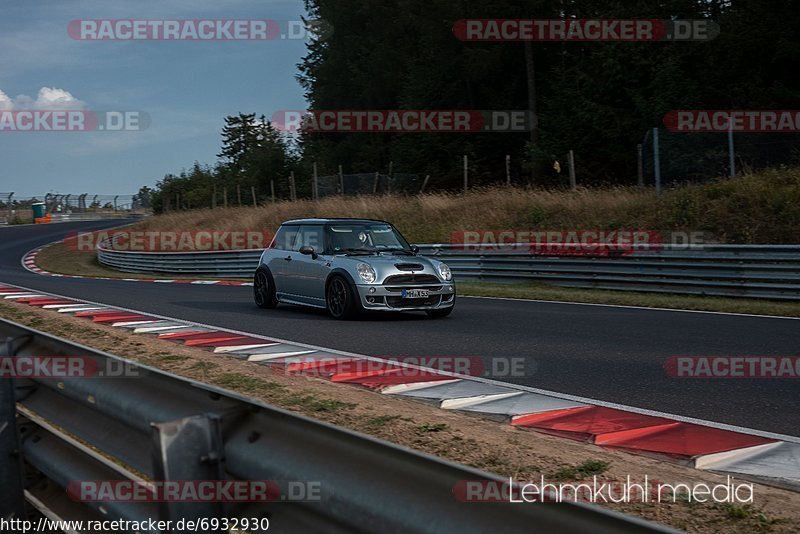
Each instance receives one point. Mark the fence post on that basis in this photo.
(214, 199)
(424, 183)
(508, 169)
(375, 183)
(225, 197)
(341, 181)
(292, 190)
(272, 189)
(639, 166)
(115, 202)
(466, 174)
(731, 150)
(315, 184)
(571, 162)
(656, 161)
(253, 192)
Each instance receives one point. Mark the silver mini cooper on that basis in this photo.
(350, 265)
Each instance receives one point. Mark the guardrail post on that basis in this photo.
(466, 174)
(315, 185)
(731, 151)
(12, 497)
(571, 160)
(639, 167)
(424, 183)
(189, 450)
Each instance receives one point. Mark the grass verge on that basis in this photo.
(762, 207)
(58, 258)
(630, 298)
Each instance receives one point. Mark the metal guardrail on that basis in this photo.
(151, 425)
(754, 271)
(225, 264)
(92, 216)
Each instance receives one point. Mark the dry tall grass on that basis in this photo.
(758, 208)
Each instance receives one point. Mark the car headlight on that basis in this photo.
(366, 272)
(445, 272)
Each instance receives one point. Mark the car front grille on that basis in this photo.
(411, 279)
(400, 302)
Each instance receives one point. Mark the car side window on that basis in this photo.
(285, 237)
(310, 236)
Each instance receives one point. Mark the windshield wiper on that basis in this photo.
(351, 250)
(396, 250)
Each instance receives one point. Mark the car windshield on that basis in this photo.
(365, 237)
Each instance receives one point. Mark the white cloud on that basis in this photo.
(5, 102)
(47, 98)
(53, 98)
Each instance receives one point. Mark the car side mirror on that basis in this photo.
(308, 251)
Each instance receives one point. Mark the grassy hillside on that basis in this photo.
(759, 208)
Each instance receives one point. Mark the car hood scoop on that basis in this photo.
(409, 266)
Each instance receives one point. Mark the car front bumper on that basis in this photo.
(389, 298)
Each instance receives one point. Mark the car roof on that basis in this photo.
(331, 220)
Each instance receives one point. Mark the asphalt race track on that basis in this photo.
(606, 353)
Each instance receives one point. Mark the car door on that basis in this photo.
(310, 273)
(281, 257)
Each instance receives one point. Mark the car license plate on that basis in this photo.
(415, 293)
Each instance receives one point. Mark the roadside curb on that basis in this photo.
(769, 458)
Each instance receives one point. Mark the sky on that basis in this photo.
(185, 88)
